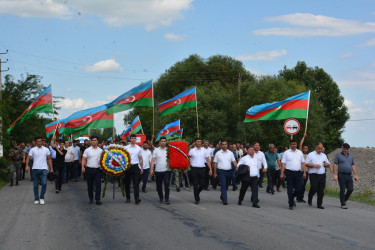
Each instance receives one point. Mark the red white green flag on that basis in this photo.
(42, 104)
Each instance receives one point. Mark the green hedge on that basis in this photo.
(4, 169)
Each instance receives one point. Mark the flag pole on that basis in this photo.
(196, 109)
(308, 108)
(113, 129)
(153, 111)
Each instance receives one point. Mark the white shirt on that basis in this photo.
(240, 153)
(293, 159)
(224, 159)
(77, 151)
(277, 165)
(40, 157)
(252, 162)
(209, 152)
(198, 157)
(93, 156)
(160, 156)
(315, 158)
(134, 152)
(69, 154)
(261, 159)
(146, 157)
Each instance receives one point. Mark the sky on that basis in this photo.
(93, 51)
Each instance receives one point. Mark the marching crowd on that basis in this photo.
(221, 165)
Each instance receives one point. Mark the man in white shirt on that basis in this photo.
(198, 158)
(146, 157)
(135, 169)
(41, 160)
(251, 179)
(223, 167)
(262, 163)
(76, 151)
(162, 171)
(317, 162)
(209, 150)
(69, 159)
(90, 166)
(291, 164)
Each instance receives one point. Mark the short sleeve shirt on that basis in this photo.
(271, 160)
(315, 158)
(40, 157)
(224, 159)
(134, 151)
(160, 156)
(146, 158)
(93, 156)
(344, 163)
(198, 157)
(252, 162)
(293, 159)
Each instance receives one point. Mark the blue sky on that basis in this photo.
(92, 51)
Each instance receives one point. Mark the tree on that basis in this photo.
(17, 95)
(329, 96)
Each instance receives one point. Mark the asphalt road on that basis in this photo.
(67, 221)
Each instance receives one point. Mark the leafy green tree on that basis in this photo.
(329, 96)
(17, 95)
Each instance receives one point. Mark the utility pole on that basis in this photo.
(1, 88)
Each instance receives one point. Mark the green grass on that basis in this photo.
(2, 183)
(366, 197)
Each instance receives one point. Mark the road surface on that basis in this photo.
(67, 221)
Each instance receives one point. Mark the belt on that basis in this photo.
(229, 170)
(317, 174)
(345, 173)
(92, 167)
(134, 164)
(198, 167)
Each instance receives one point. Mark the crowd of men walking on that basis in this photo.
(223, 165)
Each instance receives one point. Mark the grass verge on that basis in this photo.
(2, 183)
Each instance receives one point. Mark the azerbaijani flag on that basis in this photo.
(293, 107)
(57, 126)
(136, 126)
(82, 120)
(140, 96)
(126, 133)
(42, 104)
(169, 128)
(184, 100)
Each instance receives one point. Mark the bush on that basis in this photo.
(4, 168)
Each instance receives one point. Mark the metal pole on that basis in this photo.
(1, 121)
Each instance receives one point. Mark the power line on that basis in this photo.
(371, 119)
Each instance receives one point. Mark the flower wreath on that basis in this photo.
(178, 155)
(114, 161)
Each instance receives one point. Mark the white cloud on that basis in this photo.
(263, 55)
(347, 55)
(68, 90)
(358, 79)
(78, 104)
(148, 13)
(368, 43)
(348, 103)
(367, 102)
(104, 66)
(174, 37)
(307, 25)
(34, 8)
(256, 72)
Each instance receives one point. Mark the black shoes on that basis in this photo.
(206, 189)
(309, 202)
(239, 203)
(91, 202)
(301, 201)
(235, 188)
(256, 206)
(196, 202)
(98, 203)
(294, 204)
(127, 201)
(225, 203)
(138, 201)
(167, 202)
(320, 207)
(291, 208)
(177, 189)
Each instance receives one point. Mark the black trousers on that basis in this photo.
(199, 178)
(271, 174)
(293, 179)
(318, 184)
(345, 182)
(59, 170)
(301, 195)
(163, 177)
(144, 178)
(132, 174)
(207, 177)
(253, 183)
(278, 179)
(93, 176)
